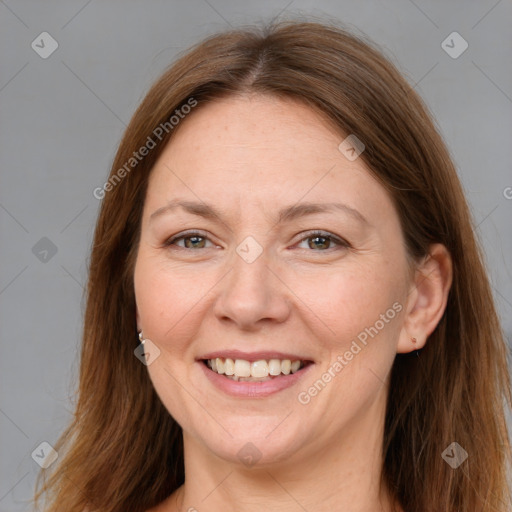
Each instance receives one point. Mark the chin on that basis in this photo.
(254, 445)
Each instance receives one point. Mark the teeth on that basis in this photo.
(259, 369)
(229, 367)
(242, 370)
(274, 367)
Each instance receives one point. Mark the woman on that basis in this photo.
(287, 308)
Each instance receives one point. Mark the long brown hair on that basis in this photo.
(123, 451)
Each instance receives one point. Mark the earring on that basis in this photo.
(141, 338)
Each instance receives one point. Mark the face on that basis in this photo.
(263, 247)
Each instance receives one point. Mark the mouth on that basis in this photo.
(253, 375)
(259, 370)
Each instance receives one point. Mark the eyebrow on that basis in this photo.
(286, 214)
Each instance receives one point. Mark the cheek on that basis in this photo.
(363, 308)
(349, 301)
(169, 302)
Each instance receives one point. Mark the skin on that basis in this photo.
(250, 156)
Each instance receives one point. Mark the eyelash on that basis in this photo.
(310, 234)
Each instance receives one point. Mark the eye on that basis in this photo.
(322, 240)
(191, 239)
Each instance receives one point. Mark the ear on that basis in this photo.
(137, 318)
(427, 299)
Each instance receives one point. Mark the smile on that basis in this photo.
(254, 375)
(241, 370)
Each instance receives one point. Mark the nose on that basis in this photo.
(252, 294)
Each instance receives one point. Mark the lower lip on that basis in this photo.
(253, 389)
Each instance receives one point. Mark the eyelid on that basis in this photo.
(341, 242)
(326, 234)
(184, 234)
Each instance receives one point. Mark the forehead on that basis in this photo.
(256, 127)
(261, 150)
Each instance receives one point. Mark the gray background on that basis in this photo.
(61, 119)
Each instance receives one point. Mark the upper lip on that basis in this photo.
(253, 356)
